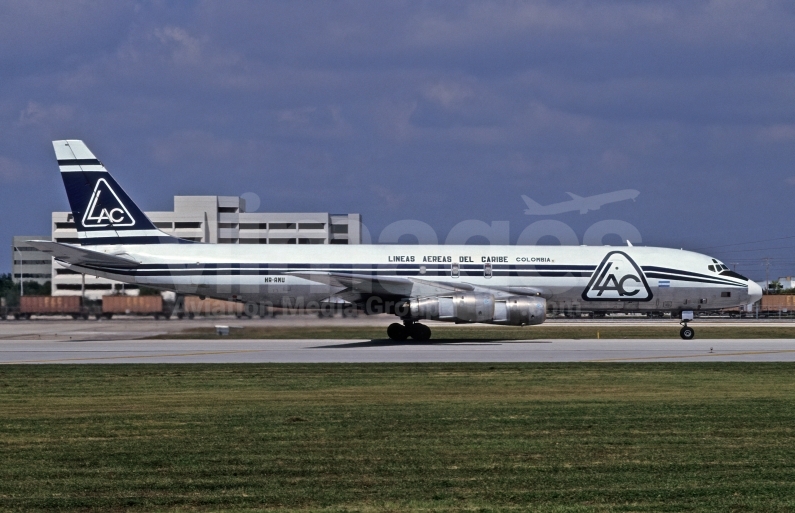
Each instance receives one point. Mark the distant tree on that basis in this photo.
(34, 288)
(774, 287)
(148, 291)
(9, 290)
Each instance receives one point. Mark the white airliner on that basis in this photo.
(578, 203)
(507, 285)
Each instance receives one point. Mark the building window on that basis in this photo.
(227, 225)
(33, 276)
(32, 262)
(253, 226)
(312, 226)
(339, 228)
(60, 272)
(26, 248)
(163, 225)
(227, 210)
(189, 225)
(339, 241)
(65, 226)
(253, 241)
(68, 286)
(282, 226)
(281, 241)
(68, 240)
(227, 241)
(99, 286)
(311, 241)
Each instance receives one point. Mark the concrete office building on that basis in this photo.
(30, 264)
(216, 220)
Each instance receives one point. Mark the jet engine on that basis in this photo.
(480, 307)
(520, 310)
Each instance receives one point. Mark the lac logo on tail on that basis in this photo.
(106, 209)
(618, 278)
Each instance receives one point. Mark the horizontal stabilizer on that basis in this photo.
(75, 255)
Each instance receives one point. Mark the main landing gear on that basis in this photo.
(686, 332)
(415, 330)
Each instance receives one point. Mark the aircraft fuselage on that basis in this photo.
(589, 278)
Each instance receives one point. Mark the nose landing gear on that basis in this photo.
(415, 330)
(687, 333)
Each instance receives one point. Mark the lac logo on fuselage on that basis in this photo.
(618, 278)
(106, 209)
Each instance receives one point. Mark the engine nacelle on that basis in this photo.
(520, 310)
(465, 307)
(480, 307)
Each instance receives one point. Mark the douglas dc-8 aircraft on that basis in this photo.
(507, 285)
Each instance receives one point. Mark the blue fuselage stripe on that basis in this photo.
(375, 270)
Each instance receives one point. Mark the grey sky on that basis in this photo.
(434, 111)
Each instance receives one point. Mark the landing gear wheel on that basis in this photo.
(397, 331)
(687, 333)
(419, 332)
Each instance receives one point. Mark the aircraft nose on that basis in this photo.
(754, 292)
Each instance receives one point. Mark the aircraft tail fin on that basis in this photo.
(103, 213)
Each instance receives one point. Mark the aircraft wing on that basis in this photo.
(77, 255)
(409, 286)
(365, 284)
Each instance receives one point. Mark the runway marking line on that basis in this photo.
(742, 353)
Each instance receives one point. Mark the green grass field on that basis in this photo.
(448, 437)
(483, 332)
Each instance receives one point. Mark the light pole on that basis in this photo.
(766, 260)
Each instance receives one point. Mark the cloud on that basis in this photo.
(193, 145)
(778, 133)
(448, 94)
(442, 110)
(184, 48)
(35, 113)
(614, 161)
(11, 170)
(390, 199)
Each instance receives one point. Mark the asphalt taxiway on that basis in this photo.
(386, 351)
(125, 340)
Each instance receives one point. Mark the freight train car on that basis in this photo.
(135, 305)
(52, 305)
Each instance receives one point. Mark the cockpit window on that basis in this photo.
(717, 267)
